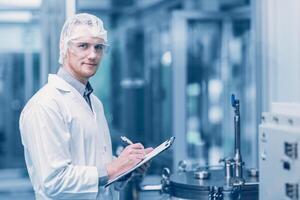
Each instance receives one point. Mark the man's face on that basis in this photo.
(83, 57)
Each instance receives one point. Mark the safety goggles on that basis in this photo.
(84, 48)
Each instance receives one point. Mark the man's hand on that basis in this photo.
(129, 157)
(143, 169)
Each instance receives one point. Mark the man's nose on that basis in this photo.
(92, 53)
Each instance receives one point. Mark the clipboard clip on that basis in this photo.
(170, 141)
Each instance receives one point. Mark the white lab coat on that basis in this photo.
(64, 143)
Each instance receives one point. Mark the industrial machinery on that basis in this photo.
(232, 181)
(279, 164)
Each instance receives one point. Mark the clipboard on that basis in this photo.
(162, 147)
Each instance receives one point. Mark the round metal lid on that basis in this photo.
(212, 178)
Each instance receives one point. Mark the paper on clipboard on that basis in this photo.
(163, 146)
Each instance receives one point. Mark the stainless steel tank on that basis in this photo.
(211, 184)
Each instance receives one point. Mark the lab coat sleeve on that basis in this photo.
(45, 136)
(103, 175)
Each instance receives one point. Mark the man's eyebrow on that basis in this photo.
(82, 42)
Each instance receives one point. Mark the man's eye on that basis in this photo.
(99, 47)
(83, 46)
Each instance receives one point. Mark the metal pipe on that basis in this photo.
(238, 164)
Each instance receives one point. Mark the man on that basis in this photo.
(65, 135)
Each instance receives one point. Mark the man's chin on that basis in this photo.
(88, 72)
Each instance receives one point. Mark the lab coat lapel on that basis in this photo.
(77, 97)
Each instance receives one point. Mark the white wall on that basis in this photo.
(279, 26)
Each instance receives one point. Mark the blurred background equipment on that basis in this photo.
(232, 181)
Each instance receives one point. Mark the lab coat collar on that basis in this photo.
(65, 75)
(62, 85)
(59, 83)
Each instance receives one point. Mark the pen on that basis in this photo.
(125, 139)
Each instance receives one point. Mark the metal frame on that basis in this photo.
(179, 40)
(179, 31)
(51, 23)
(261, 98)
